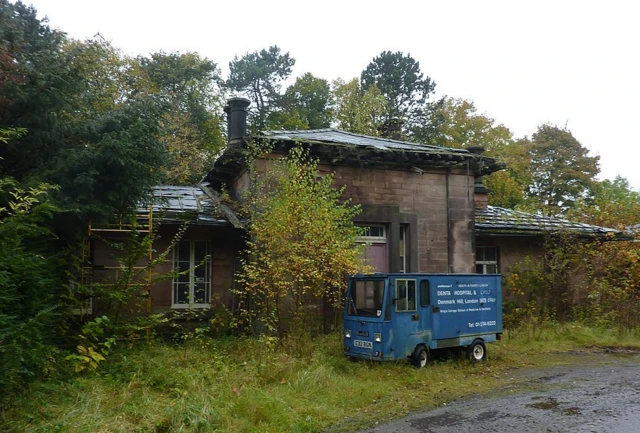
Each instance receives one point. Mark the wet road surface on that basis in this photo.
(600, 396)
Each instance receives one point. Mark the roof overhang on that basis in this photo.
(339, 147)
(497, 221)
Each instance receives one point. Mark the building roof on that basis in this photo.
(195, 204)
(200, 205)
(338, 137)
(496, 221)
(341, 147)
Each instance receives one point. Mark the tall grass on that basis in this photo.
(237, 385)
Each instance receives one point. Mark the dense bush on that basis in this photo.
(29, 285)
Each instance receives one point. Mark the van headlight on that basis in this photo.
(347, 333)
(377, 338)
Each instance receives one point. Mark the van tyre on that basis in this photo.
(477, 351)
(420, 357)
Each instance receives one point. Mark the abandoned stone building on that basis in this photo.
(424, 209)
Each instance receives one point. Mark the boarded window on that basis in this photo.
(375, 251)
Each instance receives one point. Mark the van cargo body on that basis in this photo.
(397, 316)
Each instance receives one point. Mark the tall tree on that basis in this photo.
(306, 104)
(38, 87)
(357, 110)
(88, 135)
(260, 75)
(404, 86)
(192, 127)
(561, 169)
(103, 75)
(614, 204)
(461, 126)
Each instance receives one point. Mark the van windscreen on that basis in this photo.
(365, 298)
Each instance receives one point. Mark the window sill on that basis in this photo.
(190, 306)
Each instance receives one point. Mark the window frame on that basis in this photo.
(424, 304)
(372, 239)
(406, 297)
(205, 262)
(485, 263)
(377, 290)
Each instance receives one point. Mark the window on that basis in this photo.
(405, 295)
(192, 282)
(373, 233)
(365, 298)
(487, 260)
(424, 293)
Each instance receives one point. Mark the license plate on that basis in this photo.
(363, 344)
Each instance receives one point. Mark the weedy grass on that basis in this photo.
(239, 385)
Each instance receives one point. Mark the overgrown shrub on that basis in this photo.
(594, 281)
(301, 246)
(29, 287)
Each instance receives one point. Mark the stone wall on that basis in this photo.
(441, 203)
(226, 242)
(438, 206)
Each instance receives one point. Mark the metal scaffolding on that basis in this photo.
(89, 267)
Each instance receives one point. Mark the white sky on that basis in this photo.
(524, 63)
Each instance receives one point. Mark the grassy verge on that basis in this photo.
(236, 385)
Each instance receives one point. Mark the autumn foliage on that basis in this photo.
(301, 246)
(596, 281)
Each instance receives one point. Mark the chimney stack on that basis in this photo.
(236, 110)
(480, 192)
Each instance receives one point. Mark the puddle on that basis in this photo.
(548, 404)
(572, 411)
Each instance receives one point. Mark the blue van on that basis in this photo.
(398, 316)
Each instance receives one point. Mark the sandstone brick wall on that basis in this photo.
(225, 243)
(512, 252)
(240, 184)
(444, 209)
(442, 201)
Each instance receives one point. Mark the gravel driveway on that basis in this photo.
(596, 393)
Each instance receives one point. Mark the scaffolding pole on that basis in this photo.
(88, 268)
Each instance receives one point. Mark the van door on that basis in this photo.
(405, 316)
(424, 299)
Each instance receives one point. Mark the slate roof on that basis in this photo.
(177, 204)
(341, 147)
(201, 205)
(494, 220)
(336, 136)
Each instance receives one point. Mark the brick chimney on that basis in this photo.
(480, 192)
(236, 110)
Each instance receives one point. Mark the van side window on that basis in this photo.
(424, 293)
(405, 295)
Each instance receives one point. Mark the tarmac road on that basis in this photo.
(598, 393)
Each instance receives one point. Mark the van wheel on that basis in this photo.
(477, 351)
(420, 357)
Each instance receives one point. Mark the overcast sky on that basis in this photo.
(524, 63)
